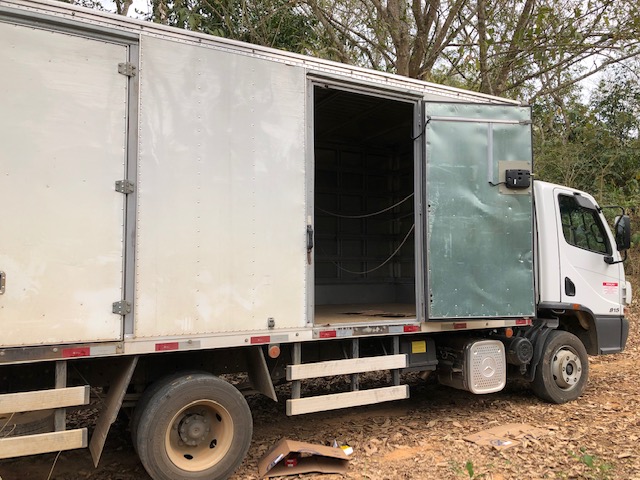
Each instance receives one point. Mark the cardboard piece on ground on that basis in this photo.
(506, 436)
(313, 458)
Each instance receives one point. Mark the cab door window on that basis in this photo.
(582, 227)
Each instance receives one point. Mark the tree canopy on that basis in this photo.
(521, 49)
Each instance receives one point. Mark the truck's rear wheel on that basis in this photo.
(195, 426)
(26, 423)
(146, 397)
(563, 370)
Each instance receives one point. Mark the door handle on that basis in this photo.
(3, 281)
(309, 238)
(309, 243)
(569, 287)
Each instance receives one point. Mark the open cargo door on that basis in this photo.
(364, 205)
(479, 233)
(63, 137)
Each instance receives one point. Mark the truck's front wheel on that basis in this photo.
(563, 370)
(194, 426)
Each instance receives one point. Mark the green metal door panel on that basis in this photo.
(479, 235)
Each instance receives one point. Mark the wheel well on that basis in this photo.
(243, 367)
(582, 325)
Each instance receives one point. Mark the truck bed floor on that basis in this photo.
(363, 313)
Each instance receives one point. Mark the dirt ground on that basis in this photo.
(595, 437)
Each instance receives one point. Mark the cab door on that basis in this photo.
(584, 243)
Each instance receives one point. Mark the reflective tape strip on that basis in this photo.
(261, 339)
(328, 334)
(163, 347)
(76, 352)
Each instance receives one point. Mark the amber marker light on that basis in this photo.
(274, 351)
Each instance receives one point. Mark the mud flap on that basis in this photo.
(111, 407)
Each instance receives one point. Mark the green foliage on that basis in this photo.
(592, 147)
(279, 24)
(595, 146)
(594, 468)
(469, 468)
(466, 470)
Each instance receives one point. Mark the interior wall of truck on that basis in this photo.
(363, 207)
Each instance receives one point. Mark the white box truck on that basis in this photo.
(179, 207)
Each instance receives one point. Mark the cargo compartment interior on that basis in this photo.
(364, 250)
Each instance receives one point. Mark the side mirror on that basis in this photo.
(623, 232)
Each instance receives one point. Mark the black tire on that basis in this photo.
(195, 426)
(563, 370)
(26, 423)
(147, 395)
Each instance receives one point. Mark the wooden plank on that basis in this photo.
(42, 443)
(345, 367)
(43, 399)
(364, 313)
(348, 399)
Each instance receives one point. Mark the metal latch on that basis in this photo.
(3, 280)
(127, 68)
(309, 238)
(125, 186)
(122, 307)
(309, 242)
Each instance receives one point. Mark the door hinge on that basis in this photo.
(122, 307)
(125, 186)
(127, 68)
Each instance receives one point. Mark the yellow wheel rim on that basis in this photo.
(199, 436)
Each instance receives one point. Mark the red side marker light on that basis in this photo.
(76, 352)
(328, 334)
(263, 339)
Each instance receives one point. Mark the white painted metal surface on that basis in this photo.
(598, 285)
(547, 253)
(221, 192)
(62, 132)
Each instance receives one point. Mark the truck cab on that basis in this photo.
(580, 275)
